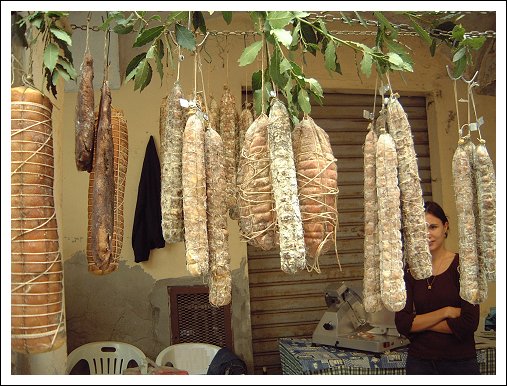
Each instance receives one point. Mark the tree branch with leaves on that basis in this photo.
(285, 33)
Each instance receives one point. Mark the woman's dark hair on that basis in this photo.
(436, 210)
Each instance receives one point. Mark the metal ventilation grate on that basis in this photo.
(195, 320)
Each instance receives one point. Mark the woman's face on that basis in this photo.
(436, 231)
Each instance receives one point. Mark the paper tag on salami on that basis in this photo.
(184, 103)
(383, 89)
(480, 122)
(367, 115)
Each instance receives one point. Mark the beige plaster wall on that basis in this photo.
(142, 115)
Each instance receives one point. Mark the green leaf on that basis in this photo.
(322, 25)
(284, 66)
(148, 35)
(38, 23)
(132, 66)
(62, 35)
(300, 14)
(143, 75)
(151, 52)
(345, 18)
(61, 71)
(338, 68)
(250, 53)
(123, 29)
(51, 56)
(407, 66)
(257, 96)
(227, 15)
(296, 69)
(31, 17)
(274, 65)
(304, 101)
(433, 47)
(318, 99)
(56, 14)
(170, 56)
(459, 54)
(308, 34)
(315, 87)
(384, 22)
(330, 56)
(120, 18)
(69, 68)
(54, 77)
(458, 32)
(287, 90)
(48, 76)
(394, 58)
(459, 66)
(177, 16)
(407, 59)
(198, 21)
(67, 55)
(420, 31)
(159, 54)
(295, 36)
(361, 20)
(274, 69)
(395, 47)
(312, 48)
(257, 19)
(257, 80)
(366, 64)
(283, 36)
(155, 17)
(110, 17)
(476, 42)
(185, 38)
(279, 19)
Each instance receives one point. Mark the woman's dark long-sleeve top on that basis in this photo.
(421, 300)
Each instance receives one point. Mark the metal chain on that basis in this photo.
(83, 27)
(405, 29)
(469, 34)
(246, 33)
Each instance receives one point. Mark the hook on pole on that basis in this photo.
(449, 73)
(471, 82)
(203, 40)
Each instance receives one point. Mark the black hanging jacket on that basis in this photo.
(147, 229)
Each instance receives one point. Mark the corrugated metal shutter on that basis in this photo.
(284, 305)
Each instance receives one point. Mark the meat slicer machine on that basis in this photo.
(346, 323)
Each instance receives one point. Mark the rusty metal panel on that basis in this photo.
(195, 320)
(291, 305)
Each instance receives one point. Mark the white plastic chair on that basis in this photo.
(107, 357)
(192, 357)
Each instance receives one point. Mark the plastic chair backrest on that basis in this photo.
(192, 357)
(107, 357)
